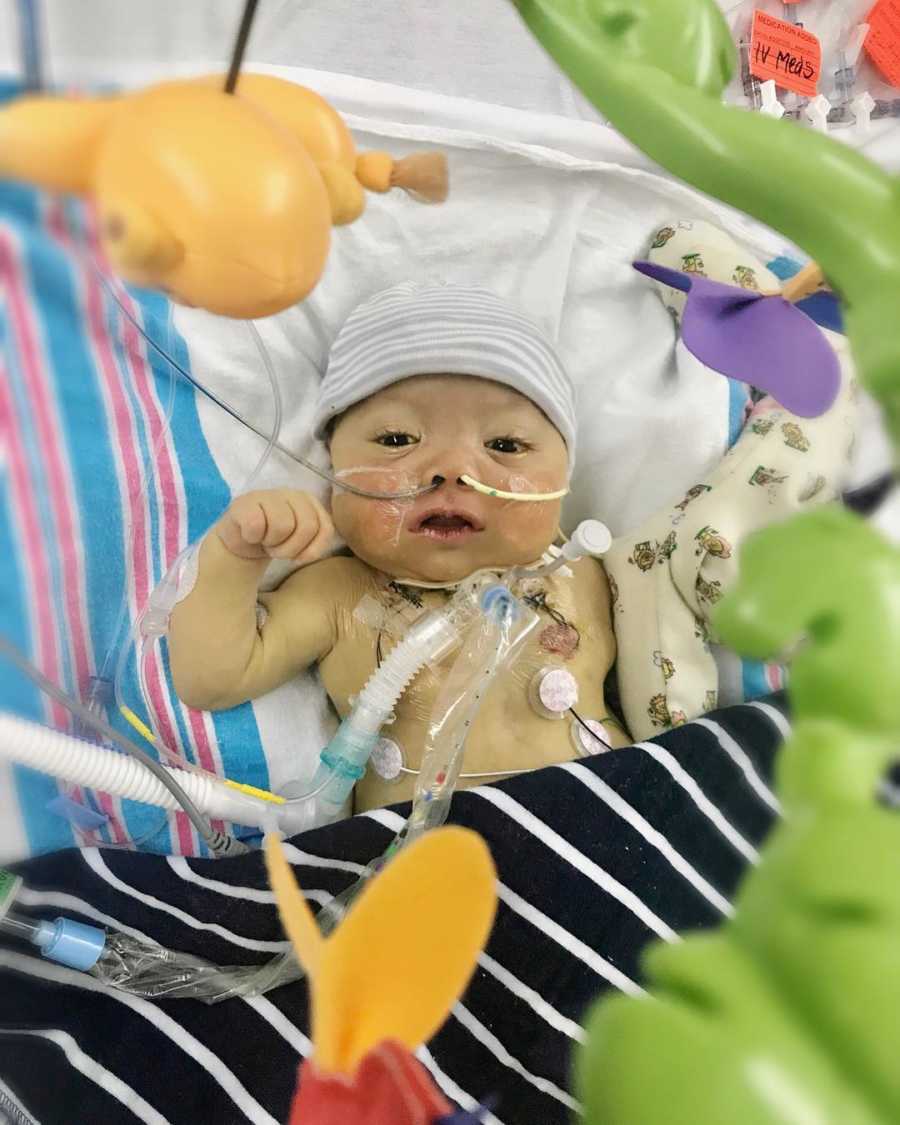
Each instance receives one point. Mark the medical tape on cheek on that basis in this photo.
(521, 520)
(383, 522)
(390, 514)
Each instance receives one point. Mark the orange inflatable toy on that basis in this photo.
(223, 201)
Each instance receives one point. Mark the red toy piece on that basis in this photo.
(390, 1087)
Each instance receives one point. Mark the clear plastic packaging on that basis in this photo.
(148, 970)
(495, 638)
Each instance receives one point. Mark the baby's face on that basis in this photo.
(447, 426)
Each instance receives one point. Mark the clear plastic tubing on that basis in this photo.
(343, 761)
(19, 927)
(153, 619)
(411, 494)
(506, 624)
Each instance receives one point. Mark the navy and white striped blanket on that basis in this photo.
(595, 858)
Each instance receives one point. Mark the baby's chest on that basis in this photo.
(558, 671)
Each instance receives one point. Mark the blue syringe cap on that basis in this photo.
(71, 943)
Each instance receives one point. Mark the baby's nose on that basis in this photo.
(437, 480)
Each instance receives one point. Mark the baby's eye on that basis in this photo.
(395, 440)
(506, 445)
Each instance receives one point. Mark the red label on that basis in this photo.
(883, 40)
(789, 54)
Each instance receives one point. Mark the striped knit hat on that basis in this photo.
(413, 329)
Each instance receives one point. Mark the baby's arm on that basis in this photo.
(219, 655)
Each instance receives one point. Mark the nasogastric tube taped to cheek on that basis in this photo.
(504, 494)
(389, 515)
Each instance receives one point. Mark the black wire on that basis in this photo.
(539, 602)
(588, 729)
(237, 55)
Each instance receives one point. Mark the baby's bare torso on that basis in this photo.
(574, 633)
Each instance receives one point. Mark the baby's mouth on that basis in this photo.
(447, 525)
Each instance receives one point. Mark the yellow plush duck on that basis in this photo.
(223, 201)
(386, 979)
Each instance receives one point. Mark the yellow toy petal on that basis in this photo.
(406, 950)
(53, 142)
(296, 917)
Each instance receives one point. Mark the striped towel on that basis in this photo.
(595, 859)
(98, 495)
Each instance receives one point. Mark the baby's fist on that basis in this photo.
(279, 523)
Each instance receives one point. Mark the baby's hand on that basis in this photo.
(279, 523)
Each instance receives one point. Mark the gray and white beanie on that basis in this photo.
(414, 329)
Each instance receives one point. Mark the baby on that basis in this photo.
(425, 384)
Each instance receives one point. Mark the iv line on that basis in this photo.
(410, 494)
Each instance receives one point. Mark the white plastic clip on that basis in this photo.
(817, 113)
(862, 107)
(770, 106)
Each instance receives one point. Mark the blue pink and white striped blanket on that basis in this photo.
(98, 494)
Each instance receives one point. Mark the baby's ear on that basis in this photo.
(53, 142)
(330, 427)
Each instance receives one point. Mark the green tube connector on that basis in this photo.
(345, 759)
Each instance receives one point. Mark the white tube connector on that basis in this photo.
(591, 537)
(95, 767)
(861, 107)
(817, 111)
(770, 106)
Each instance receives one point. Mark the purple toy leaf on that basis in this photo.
(474, 1117)
(765, 341)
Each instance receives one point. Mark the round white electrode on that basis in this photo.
(585, 742)
(387, 759)
(553, 692)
